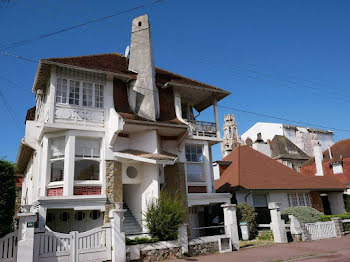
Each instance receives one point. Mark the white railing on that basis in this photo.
(321, 230)
(201, 128)
(8, 247)
(91, 245)
(79, 115)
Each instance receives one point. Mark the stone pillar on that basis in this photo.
(25, 245)
(114, 186)
(277, 224)
(42, 218)
(295, 229)
(339, 229)
(175, 182)
(183, 238)
(336, 202)
(231, 227)
(118, 236)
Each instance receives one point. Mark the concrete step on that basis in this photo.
(130, 224)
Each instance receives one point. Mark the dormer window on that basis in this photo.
(337, 168)
(80, 93)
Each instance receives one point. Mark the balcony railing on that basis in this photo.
(79, 115)
(201, 128)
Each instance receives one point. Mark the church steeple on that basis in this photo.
(231, 137)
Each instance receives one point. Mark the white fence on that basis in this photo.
(92, 245)
(321, 230)
(8, 247)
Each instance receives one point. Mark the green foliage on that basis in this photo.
(7, 196)
(303, 214)
(141, 240)
(164, 216)
(265, 235)
(329, 217)
(347, 203)
(245, 213)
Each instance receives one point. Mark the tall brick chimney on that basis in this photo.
(142, 93)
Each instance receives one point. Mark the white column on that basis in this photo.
(336, 202)
(183, 238)
(216, 116)
(277, 225)
(118, 236)
(51, 98)
(69, 157)
(45, 166)
(231, 227)
(207, 166)
(42, 218)
(25, 246)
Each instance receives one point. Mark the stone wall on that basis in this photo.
(200, 249)
(316, 201)
(175, 182)
(114, 186)
(161, 254)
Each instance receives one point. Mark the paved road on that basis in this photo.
(335, 249)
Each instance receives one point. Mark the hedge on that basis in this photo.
(7, 196)
(303, 214)
(246, 213)
(325, 218)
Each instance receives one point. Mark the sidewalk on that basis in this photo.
(334, 249)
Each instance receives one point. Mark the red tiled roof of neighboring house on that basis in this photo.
(251, 169)
(340, 153)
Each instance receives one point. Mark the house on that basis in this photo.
(258, 179)
(302, 137)
(108, 129)
(333, 162)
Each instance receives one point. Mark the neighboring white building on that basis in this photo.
(110, 129)
(304, 137)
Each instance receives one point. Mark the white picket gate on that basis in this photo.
(8, 247)
(321, 230)
(92, 245)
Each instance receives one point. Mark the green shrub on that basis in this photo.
(245, 213)
(265, 235)
(7, 196)
(303, 214)
(329, 217)
(164, 216)
(347, 202)
(140, 240)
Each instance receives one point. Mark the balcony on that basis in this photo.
(79, 115)
(202, 128)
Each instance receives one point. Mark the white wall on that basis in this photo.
(267, 130)
(281, 197)
(132, 195)
(144, 141)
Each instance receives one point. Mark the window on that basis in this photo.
(86, 170)
(187, 112)
(194, 153)
(131, 172)
(50, 217)
(299, 199)
(80, 215)
(87, 159)
(64, 216)
(57, 159)
(74, 90)
(81, 93)
(194, 165)
(260, 200)
(337, 168)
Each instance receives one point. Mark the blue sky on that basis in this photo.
(289, 59)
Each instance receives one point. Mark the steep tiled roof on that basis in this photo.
(251, 169)
(339, 150)
(283, 148)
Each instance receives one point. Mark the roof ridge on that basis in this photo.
(81, 56)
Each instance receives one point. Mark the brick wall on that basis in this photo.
(58, 191)
(87, 190)
(316, 201)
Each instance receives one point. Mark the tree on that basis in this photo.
(164, 216)
(7, 196)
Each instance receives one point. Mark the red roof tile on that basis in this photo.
(251, 169)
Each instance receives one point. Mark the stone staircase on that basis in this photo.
(130, 224)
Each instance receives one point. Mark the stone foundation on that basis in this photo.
(200, 249)
(161, 254)
(114, 186)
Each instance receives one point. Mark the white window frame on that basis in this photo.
(297, 199)
(97, 103)
(199, 163)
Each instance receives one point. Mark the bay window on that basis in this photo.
(194, 163)
(80, 93)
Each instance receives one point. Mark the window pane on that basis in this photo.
(85, 147)
(98, 96)
(87, 94)
(194, 153)
(86, 170)
(74, 92)
(294, 200)
(195, 173)
(307, 199)
(61, 91)
(301, 199)
(57, 169)
(260, 200)
(57, 147)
